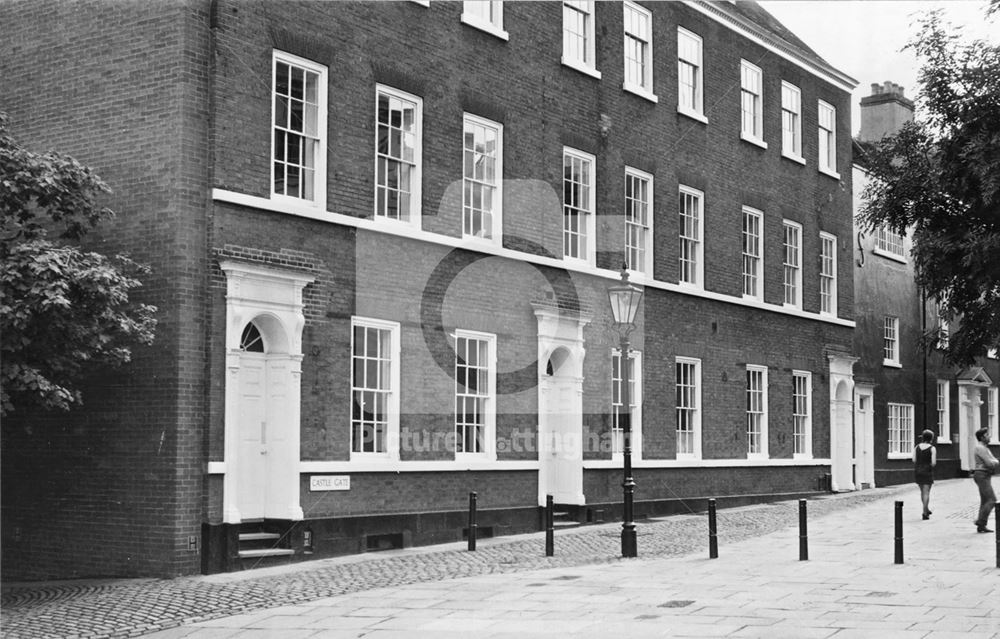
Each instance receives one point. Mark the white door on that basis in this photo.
(864, 434)
(562, 433)
(251, 480)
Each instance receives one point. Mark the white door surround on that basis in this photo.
(262, 395)
(864, 435)
(841, 421)
(560, 404)
(971, 383)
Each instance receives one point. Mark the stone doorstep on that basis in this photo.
(266, 552)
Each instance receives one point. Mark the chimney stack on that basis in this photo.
(884, 112)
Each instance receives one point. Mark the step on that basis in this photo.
(266, 552)
(259, 536)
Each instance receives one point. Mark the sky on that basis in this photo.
(864, 38)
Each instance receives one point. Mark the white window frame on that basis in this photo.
(695, 411)
(753, 239)
(490, 397)
(899, 425)
(827, 145)
(752, 95)
(492, 23)
(634, 16)
(943, 411)
(417, 163)
(802, 414)
(690, 51)
(889, 244)
(890, 342)
(993, 414)
(752, 369)
(792, 265)
(828, 274)
(496, 227)
(791, 136)
(392, 403)
(573, 9)
(645, 265)
(694, 244)
(943, 326)
(635, 401)
(319, 143)
(589, 227)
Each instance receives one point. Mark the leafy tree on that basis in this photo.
(63, 310)
(940, 178)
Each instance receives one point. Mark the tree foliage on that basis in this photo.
(64, 311)
(939, 177)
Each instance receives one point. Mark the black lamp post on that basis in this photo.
(625, 298)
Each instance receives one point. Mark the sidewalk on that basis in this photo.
(948, 585)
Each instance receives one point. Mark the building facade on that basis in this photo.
(381, 237)
(902, 383)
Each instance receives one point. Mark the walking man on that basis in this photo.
(986, 465)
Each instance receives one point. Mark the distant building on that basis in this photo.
(902, 384)
(381, 236)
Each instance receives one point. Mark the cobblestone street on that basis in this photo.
(125, 608)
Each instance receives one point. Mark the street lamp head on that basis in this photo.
(625, 298)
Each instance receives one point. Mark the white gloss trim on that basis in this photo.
(755, 141)
(581, 67)
(640, 91)
(485, 26)
(828, 172)
(396, 466)
(891, 256)
(217, 468)
(794, 158)
(576, 266)
(691, 113)
(595, 464)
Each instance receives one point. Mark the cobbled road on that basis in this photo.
(130, 608)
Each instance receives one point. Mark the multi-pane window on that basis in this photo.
(889, 242)
(578, 33)
(397, 155)
(890, 341)
(791, 121)
(753, 255)
(900, 429)
(578, 204)
(943, 410)
(485, 15)
(793, 264)
(639, 220)
(689, 73)
(482, 176)
(374, 384)
(638, 48)
(475, 386)
(756, 411)
(634, 400)
(688, 401)
(751, 102)
(299, 106)
(689, 257)
(827, 274)
(992, 411)
(802, 413)
(827, 138)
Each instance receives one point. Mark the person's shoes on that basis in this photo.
(982, 529)
(927, 516)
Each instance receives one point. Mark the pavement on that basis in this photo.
(948, 585)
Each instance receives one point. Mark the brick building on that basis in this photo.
(381, 237)
(902, 383)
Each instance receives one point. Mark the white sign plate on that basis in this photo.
(329, 482)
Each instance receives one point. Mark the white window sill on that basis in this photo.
(582, 67)
(891, 256)
(758, 456)
(479, 240)
(908, 456)
(828, 313)
(694, 115)
(752, 140)
(753, 298)
(891, 364)
(688, 457)
(802, 456)
(475, 457)
(797, 307)
(424, 3)
(691, 285)
(942, 440)
(794, 158)
(373, 458)
(382, 220)
(489, 28)
(297, 202)
(641, 92)
(829, 173)
(578, 260)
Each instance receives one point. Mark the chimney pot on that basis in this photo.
(875, 88)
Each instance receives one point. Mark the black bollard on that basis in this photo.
(550, 542)
(899, 532)
(473, 526)
(803, 532)
(713, 541)
(996, 526)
